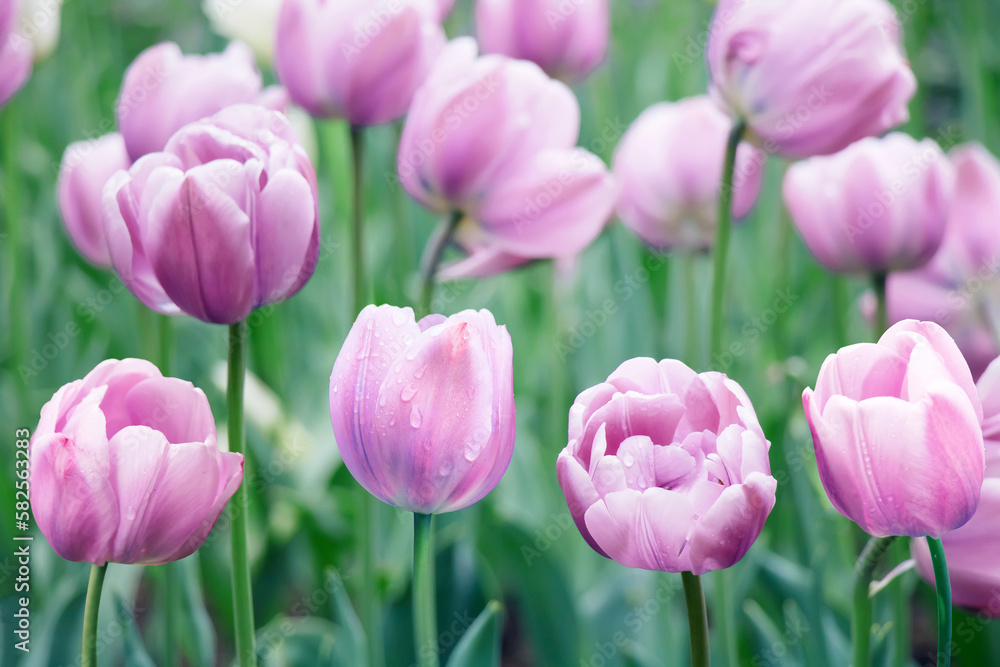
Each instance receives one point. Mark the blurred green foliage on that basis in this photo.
(563, 605)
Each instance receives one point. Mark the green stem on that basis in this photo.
(943, 585)
(697, 619)
(900, 608)
(424, 605)
(18, 321)
(861, 626)
(722, 232)
(166, 342)
(242, 591)
(439, 241)
(881, 310)
(357, 236)
(90, 611)
(370, 607)
(726, 617)
(170, 585)
(691, 339)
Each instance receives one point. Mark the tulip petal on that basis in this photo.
(287, 236)
(173, 407)
(580, 493)
(725, 534)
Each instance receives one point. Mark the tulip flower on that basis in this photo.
(15, 51)
(566, 39)
(667, 469)
(972, 549)
(220, 223)
(879, 205)
(669, 167)
(165, 90)
(253, 22)
(493, 139)
(85, 169)
(958, 288)
(897, 427)
(125, 467)
(809, 78)
(423, 412)
(356, 59)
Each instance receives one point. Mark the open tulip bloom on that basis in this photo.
(667, 469)
(898, 432)
(125, 468)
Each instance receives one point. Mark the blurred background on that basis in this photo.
(564, 605)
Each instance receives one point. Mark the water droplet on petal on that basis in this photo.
(446, 467)
(415, 417)
(335, 388)
(419, 373)
(409, 391)
(628, 460)
(392, 422)
(130, 515)
(472, 451)
(381, 400)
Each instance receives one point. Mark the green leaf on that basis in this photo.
(136, 654)
(480, 645)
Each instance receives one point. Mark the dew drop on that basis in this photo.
(411, 353)
(446, 467)
(419, 373)
(415, 418)
(335, 388)
(130, 515)
(628, 460)
(381, 400)
(392, 422)
(409, 391)
(472, 451)
(399, 317)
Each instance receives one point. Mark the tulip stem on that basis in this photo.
(881, 310)
(90, 610)
(424, 606)
(165, 339)
(943, 585)
(439, 241)
(12, 239)
(170, 582)
(242, 591)
(697, 619)
(357, 236)
(722, 232)
(862, 620)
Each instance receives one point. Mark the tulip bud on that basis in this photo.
(222, 222)
(897, 427)
(85, 170)
(667, 469)
(958, 288)
(165, 90)
(879, 205)
(423, 412)
(16, 51)
(809, 78)
(356, 59)
(566, 39)
(669, 166)
(125, 467)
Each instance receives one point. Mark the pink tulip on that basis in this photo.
(125, 467)
(16, 51)
(220, 223)
(897, 427)
(810, 78)
(667, 469)
(971, 550)
(669, 166)
(423, 412)
(356, 59)
(958, 288)
(879, 205)
(566, 39)
(165, 90)
(494, 138)
(86, 168)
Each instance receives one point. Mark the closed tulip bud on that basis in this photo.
(222, 222)
(566, 39)
(879, 205)
(423, 412)
(809, 77)
(971, 551)
(125, 467)
(897, 427)
(958, 288)
(356, 59)
(495, 139)
(85, 170)
(667, 469)
(669, 167)
(16, 51)
(164, 90)
(253, 22)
